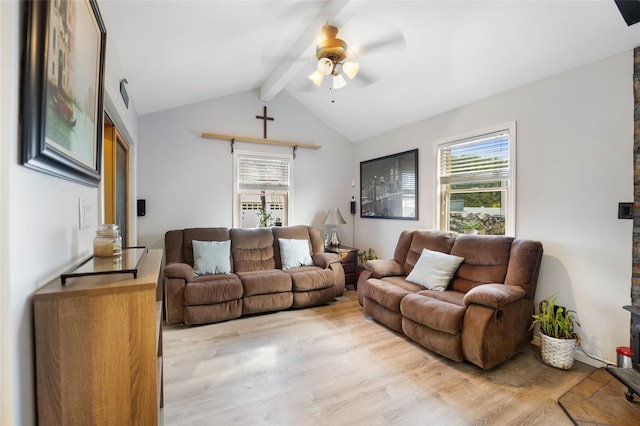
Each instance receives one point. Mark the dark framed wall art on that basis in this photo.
(62, 89)
(389, 187)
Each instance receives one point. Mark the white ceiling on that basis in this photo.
(446, 53)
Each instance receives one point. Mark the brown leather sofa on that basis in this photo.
(482, 317)
(257, 283)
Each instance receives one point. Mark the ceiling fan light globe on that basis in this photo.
(350, 69)
(316, 78)
(325, 66)
(339, 82)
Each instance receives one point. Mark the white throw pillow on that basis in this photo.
(294, 253)
(211, 257)
(434, 269)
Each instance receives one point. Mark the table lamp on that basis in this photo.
(334, 218)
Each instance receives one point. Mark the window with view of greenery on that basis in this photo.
(262, 189)
(476, 177)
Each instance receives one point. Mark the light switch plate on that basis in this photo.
(85, 213)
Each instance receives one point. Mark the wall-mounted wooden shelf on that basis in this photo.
(222, 137)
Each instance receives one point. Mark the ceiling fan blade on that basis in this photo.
(393, 41)
(364, 79)
(304, 86)
(270, 59)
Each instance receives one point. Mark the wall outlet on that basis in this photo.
(84, 213)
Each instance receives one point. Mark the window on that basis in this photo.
(476, 182)
(262, 189)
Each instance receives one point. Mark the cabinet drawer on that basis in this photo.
(349, 268)
(350, 279)
(352, 256)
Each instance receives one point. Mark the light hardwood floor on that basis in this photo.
(331, 365)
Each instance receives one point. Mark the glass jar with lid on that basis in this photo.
(107, 242)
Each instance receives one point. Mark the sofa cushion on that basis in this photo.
(307, 278)
(449, 296)
(199, 234)
(212, 289)
(436, 314)
(486, 259)
(252, 249)
(294, 253)
(387, 292)
(264, 282)
(303, 299)
(211, 257)
(403, 283)
(204, 314)
(266, 303)
(434, 269)
(445, 344)
(441, 241)
(297, 232)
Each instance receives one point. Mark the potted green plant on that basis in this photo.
(263, 218)
(363, 257)
(558, 339)
(472, 227)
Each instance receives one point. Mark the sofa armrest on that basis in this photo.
(323, 260)
(179, 270)
(494, 295)
(364, 276)
(338, 272)
(384, 268)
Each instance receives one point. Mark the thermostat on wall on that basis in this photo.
(625, 210)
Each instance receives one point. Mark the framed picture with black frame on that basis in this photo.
(389, 187)
(62, 89)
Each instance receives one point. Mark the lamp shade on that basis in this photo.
(334, 218)
(351, 69)
(317, 78)
(325, 66)
(339, 82)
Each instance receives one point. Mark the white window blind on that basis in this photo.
(263, 173)
(478, 159)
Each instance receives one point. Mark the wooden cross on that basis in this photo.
(265, 118)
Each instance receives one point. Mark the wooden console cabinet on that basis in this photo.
(98, 343)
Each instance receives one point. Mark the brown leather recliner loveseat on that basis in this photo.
(256, 281)
(483, 316)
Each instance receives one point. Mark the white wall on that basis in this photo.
(8, 13)
(39, 232)
(187, 180)
(126, 121)
(574, 164)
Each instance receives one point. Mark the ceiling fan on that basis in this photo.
(331, 54)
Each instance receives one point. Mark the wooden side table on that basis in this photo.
(349, 260)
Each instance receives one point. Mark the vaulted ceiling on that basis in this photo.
(417, 58)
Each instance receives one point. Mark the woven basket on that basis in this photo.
(557, 353)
